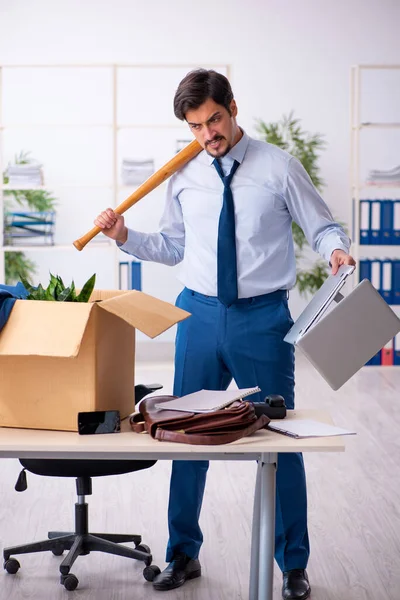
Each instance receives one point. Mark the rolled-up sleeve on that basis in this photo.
(165, 246)
(310, 212)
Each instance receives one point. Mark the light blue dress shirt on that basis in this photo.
(270, 189)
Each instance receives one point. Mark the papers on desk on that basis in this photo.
(206, 401)
(304, 428)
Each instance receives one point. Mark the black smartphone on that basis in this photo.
(99, 421)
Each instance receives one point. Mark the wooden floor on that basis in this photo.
(354, 510)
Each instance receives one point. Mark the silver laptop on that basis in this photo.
(339, 339)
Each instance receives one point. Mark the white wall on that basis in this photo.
(284, 55)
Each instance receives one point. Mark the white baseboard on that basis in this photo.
(154, 351)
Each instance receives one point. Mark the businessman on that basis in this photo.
(228, 217)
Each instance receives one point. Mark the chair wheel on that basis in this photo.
(70, 582)
(151, 572)
(58, 550)
(143, 548)
(12, 566)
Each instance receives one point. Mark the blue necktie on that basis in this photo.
(226, 252)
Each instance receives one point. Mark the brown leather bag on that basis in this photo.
(217, 427)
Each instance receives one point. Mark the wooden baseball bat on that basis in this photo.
(173, 165)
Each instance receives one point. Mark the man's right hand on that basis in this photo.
(112, 225)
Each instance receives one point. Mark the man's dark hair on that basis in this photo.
(199, 85)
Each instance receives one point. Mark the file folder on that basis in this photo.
(130, 275)
(365, 221)
(123, 276)
(136, 275)
(375, 230)
(375, 360)
(386, 280)
(376, 269)
(396, 222)
(396, 352)
(387, 354)
(386, 222)
(396, 281)
(364, 269)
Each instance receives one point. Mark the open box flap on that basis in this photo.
(146, 313)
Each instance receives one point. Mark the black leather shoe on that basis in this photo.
(178, 571)
(295, 585)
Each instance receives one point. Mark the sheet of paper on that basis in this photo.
(303, 428)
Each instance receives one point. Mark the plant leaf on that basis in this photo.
(73, 292)
(49, 295)
(38, 294)
(65, 295)
(29, 288)
(87, 290)
(52, 287)
(60, 287)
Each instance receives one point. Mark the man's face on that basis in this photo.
(214, 128)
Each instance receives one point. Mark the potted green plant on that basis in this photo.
(288, 135)
(38, 202)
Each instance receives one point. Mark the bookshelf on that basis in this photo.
(375, 140)
(68, 114)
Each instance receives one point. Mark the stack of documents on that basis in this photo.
(135, 172)
(25, 175)
(378, 177)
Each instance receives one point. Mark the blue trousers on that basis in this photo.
(243, 342)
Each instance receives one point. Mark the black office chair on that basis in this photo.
(81, 541)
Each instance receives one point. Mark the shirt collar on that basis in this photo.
(238, 151)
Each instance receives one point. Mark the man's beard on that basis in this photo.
(218, 154)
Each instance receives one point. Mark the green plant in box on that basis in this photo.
(57, 292)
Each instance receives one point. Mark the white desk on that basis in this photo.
(263, 447)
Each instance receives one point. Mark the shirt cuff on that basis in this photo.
(133, 242)
(334, 242)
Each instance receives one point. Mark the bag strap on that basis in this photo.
(137, 423)
(211, 440)
(141, 421)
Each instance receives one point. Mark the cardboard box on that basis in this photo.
(60, 358)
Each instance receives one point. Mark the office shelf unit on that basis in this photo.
(130, 112)
(369, 143)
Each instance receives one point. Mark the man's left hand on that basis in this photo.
(339, 257)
